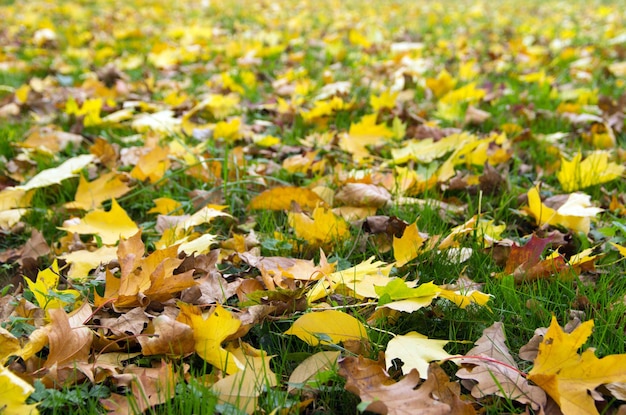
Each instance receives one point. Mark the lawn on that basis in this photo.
(255, 207)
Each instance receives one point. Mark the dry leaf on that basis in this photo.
(499, 375)
(327, 327)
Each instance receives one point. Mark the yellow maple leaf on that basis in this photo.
(13, 394)
(9, 345)
(621, 249)
(152, 165)
(90, 110)
(109, 226)
(327, 327)
(569, 377)
(229, 131)
(386, 99)
(363, 134)
(57, 174)
(281, 198)
(595, 169)
(408, 246)
(83, 261)
(442, 84)
(90, 195)
(214, 107)
(210, 333)
(45, 289)
(321, 229)
(166, 206)
(575, 214)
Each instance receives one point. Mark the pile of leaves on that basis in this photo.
(263, 202)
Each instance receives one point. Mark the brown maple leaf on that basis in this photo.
(367, 379)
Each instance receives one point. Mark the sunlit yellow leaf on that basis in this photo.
(109, 226)
(575, 214)
(166, 206)
(9, 344)
(229, 131)
(322, 228)
(45, 289)
(416, 351)
(363, 134)
(386, 100)
(90, 195)
(442, 84)
(152, 165)
(594, 169)
(13, 394)
(210, 333)
(327, 327)
(408, 246)
(621, 249)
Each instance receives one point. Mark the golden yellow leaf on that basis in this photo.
(569, 377)
(210, 333)
(621, 249)
(152, 165)
(9, 344)
(166, 206)
(90, 195)
(281, 198)
(321, 229)
(442, 84)
(385, 100)
(408, 246)
(13, 394)
(14, 197)
(45, 289)
(327, 327)
(310, 367)
(594, 169)
(109, 226)
(363, 134)
(575, 214)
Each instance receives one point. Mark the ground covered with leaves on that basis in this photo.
(312, 207)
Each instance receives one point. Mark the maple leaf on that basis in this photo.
(386, 100)
(367, 379)
(90, 195)
(569, 377)
(210, 333)
(416, 352)
(310, 367)
(84, 261)
(399, 295)
(171, 337)
(13, 394)
(70, 340)
(242, 388)
(45, 289)
(575, 213)
(499, 373)
(56, 175)
(407, 247)
(152, 165)
(109, 226)
(594, 169)
(281, 198)
(327, 327)
(362, 134)
(321, 229)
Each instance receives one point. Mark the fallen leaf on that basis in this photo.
(327, 327)
(321, 229)
(13, 394)
(110, 226)
(367, 379)
(45, 289)
(594, 169)
(310, 368)
(90, 195)
(569, 377)
(170, 337)
(416, 351)
(69, 339)
(210, 333)
(407, 247)
(56, 175)
(498, 374)
(363, 194)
